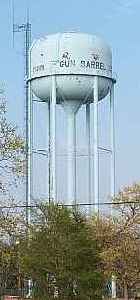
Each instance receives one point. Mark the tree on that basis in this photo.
(62, 258)
(11, 167)
(122, 257)
(119, 239)
(128, 200)
(11, 150)
(10, 230)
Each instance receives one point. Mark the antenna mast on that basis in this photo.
(25, 28)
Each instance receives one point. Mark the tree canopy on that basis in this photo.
(11, 150)
(62, 258)
(119, 239)
(71, 255)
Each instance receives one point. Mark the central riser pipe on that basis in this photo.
(71, 153)
(71, 108)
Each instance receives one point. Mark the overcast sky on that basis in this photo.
(118, 21)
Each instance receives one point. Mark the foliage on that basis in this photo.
(61, 257)
(11, 228)
(11, 149)
(11, 167)
(128, 200)
(69, 255)
(119, 238)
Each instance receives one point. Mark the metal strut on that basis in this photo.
(53, 140)
(89, 153)
(96, 152)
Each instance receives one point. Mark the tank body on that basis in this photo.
(75, 58)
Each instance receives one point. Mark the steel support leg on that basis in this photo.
(49, 154)
(88, 135)
(53, 140)
(75, 163)
(114, 287)
(112, 169)
(96, 153)
(112, 140)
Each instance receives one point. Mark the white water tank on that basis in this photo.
(75, 58)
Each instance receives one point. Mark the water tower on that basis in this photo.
(71, 70)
